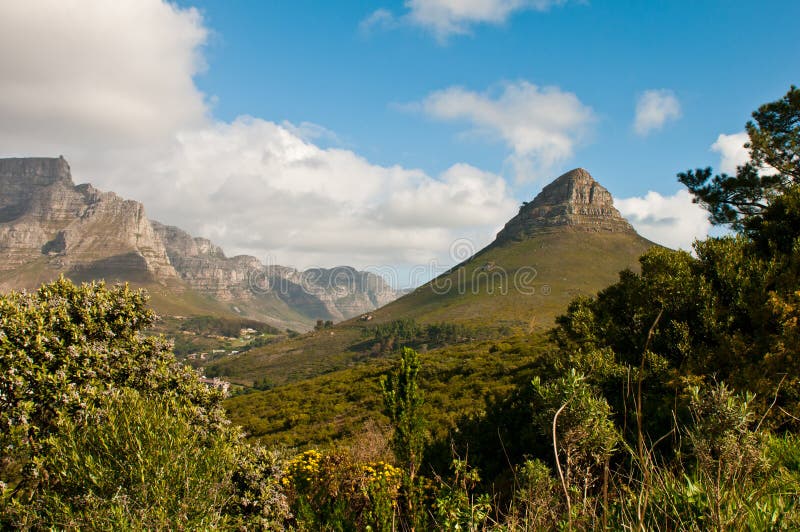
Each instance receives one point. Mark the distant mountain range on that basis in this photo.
(50, 226)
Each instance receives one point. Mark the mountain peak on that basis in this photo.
(574, 200)
(35, 171)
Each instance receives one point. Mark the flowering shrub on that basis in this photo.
(101, 428)
(381, 486)
(65, 345)
(331, 490)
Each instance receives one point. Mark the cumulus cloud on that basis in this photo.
(541, 126)
(111, 73)
(654, 108)
(258, 187)
(445, 18)
(673, 221)
(109, 85)
(732, 152)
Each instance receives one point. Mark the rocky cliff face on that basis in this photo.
(343, 291)
(49, 226)
(335, 294)
(204, 267)
(574, 200)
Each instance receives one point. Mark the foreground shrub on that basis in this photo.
(63, 346)
(332, 491)
(101, 428)
(138, 463)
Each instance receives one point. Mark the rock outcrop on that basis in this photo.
(343, 291)
(49, 226)
(336, 294)
(204, 266)
(574, 200)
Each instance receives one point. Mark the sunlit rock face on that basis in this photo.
(50, 226)
(574, 200)
(330, 293)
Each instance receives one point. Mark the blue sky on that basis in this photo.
(309, 61)
(381, 133)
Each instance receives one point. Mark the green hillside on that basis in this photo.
(550, 269)
(338, 406)
(523, 285)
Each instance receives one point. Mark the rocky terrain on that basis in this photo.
(49, 226)
(572, 200)
(336, 293)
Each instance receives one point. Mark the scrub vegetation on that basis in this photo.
(670, 400)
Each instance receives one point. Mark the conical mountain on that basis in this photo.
(573, 200)
(569, 241)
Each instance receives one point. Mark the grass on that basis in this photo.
(562, 264)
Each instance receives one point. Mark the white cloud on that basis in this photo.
(445, 18)
(673, 221)
(378, 19)
(542, 126)
(268, 190)
(101, 74)
(109, 85)
(654, 108)
(731, 151)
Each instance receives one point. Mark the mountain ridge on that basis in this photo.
(50, 226)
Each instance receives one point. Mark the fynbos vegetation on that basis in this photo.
(668, 401)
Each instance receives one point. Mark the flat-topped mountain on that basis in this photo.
(50, 226)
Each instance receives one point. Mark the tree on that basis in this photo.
(403, 401)
(773, 169)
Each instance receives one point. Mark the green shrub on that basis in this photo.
(136, 463)
(63, 346)
(103, 429)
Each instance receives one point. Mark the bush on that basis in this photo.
(137, 463)
(102, 428)
(332, 491)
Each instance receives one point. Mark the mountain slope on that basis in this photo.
(318, 293)
(521, 284)
(569, 241)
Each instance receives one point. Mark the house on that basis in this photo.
(216, 382)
